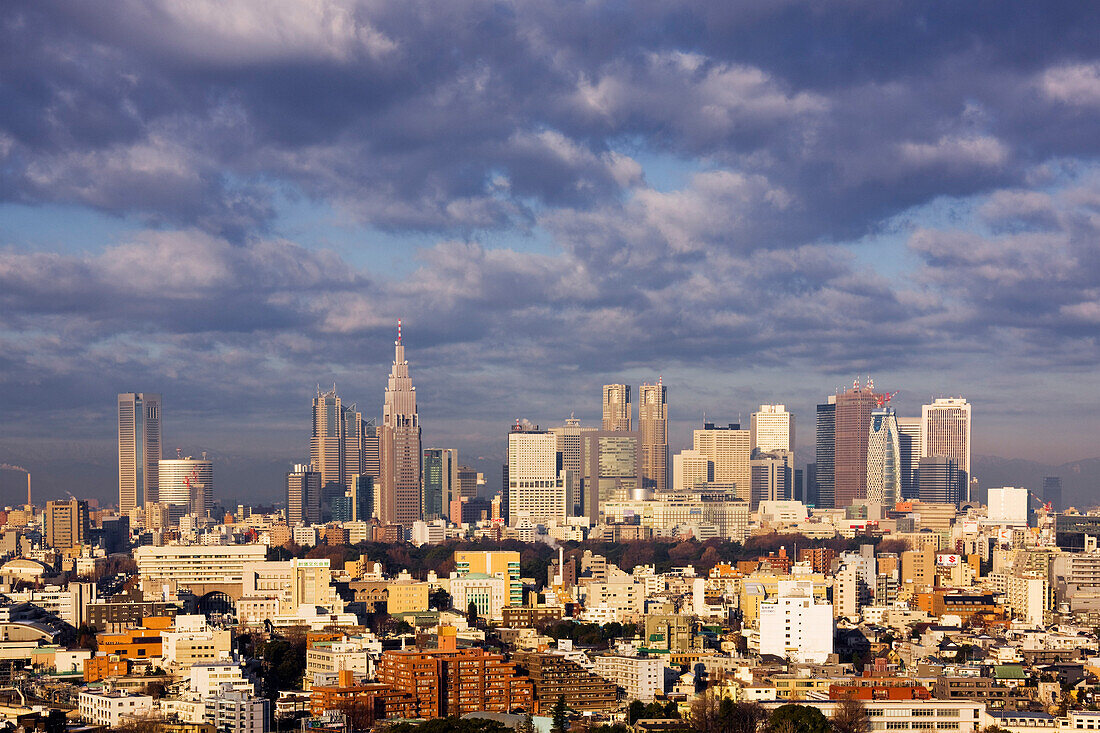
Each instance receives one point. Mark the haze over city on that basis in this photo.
(758, 203)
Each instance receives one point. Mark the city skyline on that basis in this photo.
(230, 208)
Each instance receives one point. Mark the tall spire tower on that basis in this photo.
(400, 445)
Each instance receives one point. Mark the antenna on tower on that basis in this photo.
(398, 330)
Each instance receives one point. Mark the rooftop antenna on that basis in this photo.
(398, 330)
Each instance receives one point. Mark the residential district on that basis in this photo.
(600, 587)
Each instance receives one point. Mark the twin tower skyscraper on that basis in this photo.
(359, 469)
(618, 415)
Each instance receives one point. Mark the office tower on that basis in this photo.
(883, 459)
(771, 477)
(809, 496)
(1007, 505)
(945, 430)
(467, 482)
(326, 447)
(440, 471)
(617, 411)
(853, 427)
(537, 487)
(138, 449)
(938, 480)
(730, 448)
(653, 428)
(66, 524)
(400, 446)
(570, 446)
(611, 469)
(1052, 492)
(824, 457)
(909, 440)
(186, 486)
(772, 429)
(372, 462)
(689, 468)
(303, 495)
(798, 485)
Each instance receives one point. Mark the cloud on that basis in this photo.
(1077, 85)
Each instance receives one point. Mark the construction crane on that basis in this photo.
(882, 399)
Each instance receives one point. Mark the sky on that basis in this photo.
(757, 201)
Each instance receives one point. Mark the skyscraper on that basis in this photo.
(66, 523)
(653, 427)
(467, 482)
(730, 448)
(945, 429)
(1052, 492)
(187, 486)
(400, 445)
(853, 427)
(824, 484)
(938, 480)
(771, 477)
(909, 439)
(303, 495)
(617, 411)
(883, 458)
(441, 487)
(138, 449)
(570, 439)
(537, 487)
(772, 429)
(326, 447)
(611, 469)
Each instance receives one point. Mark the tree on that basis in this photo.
(850, 716)
(797, 719)
(635, 711)
(712, 713)
(471, 614)
(560, 716)
(439, 599)
(86, 637)
(526, 725)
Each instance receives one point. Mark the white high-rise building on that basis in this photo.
(1007, 505)
(138, 449)
(536, 489)
(187, 486)
(945, 431)
(730, 448)
(883, 459)
(794, 626)
(690, 467)
(772, 429)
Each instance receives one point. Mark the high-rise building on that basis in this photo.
(617, 411)
(441, 487)
(611, 469)
(883, 458)
(1052, 492)
(689, 468)
(823, 492)
(772, 429)
(945, 430)
(853, 428)
(730, 448)
(653, 428)
(570, 438)
(468, 482)
(909, 441)
(326, 447)
(187, 486)
(400, 445)
(303, 495)
(138, 449)
(938, 480)
(538, 489)
(66, 523)
(771, 476)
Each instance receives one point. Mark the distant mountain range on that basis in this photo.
(1080, 479)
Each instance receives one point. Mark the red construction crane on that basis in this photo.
(882, 399)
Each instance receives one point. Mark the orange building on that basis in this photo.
(140, 643)
(451, 681)
(364, 702)
(103, 666)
